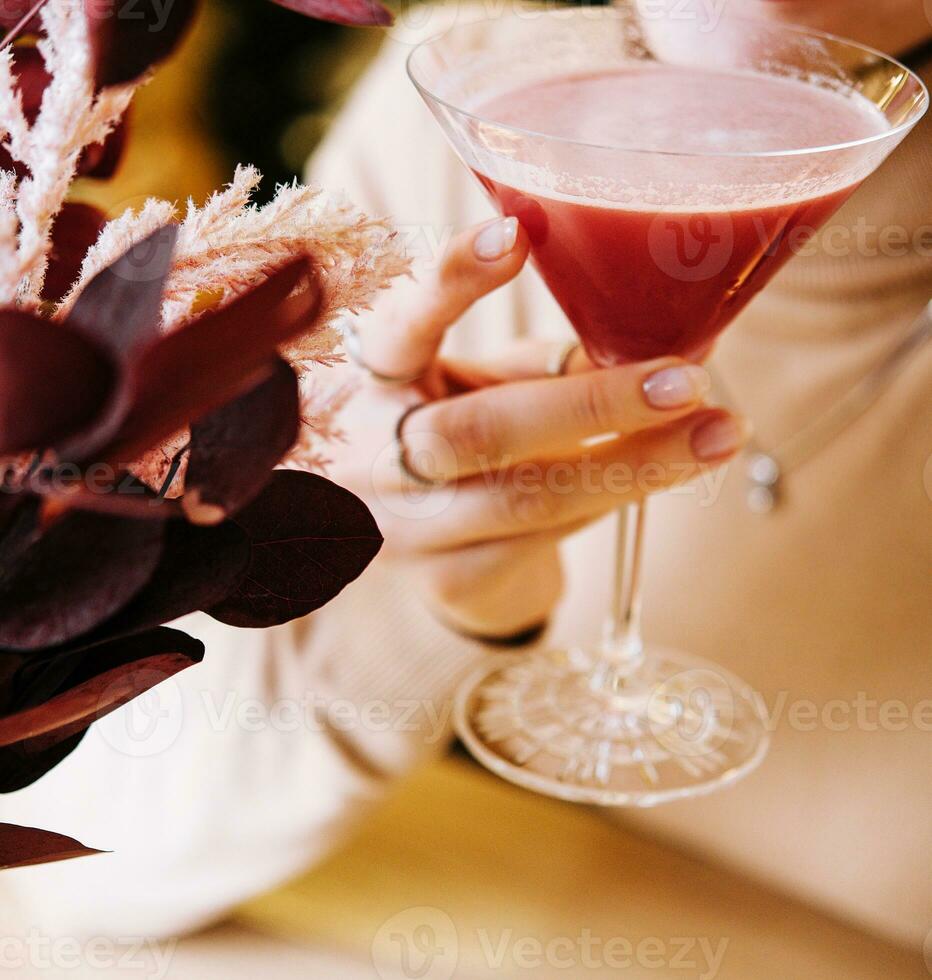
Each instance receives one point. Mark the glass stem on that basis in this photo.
(622, 649)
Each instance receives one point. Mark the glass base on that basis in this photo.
(566, 724)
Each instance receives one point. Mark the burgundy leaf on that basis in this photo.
(215, 359)
(120, 309)
(128, 37)
(24, 846)
(53, 381)
(19, 527)
(355, 13)
(199, 567)
(54, 700)
(31, 77)
(118, 500)
(235, 448)
(13, 11)
(310, 538)
(76, 228)
(100, 161)
(16, 769)
(81, 571)
(93, 681)
(22, 765)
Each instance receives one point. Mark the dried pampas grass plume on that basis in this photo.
(70, 118)
(230, 245)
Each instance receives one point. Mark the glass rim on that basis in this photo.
(797, 29)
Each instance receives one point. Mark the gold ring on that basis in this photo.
(559, 361)
(353, 344)
(403, 460)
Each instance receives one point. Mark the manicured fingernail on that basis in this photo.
(719, 437)
(496, 240)
(676, 387)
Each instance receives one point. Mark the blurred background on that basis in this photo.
(253, 83)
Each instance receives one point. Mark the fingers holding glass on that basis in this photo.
(534, 497)
(503, 425)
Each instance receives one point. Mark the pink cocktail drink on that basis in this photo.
(644, 278)
(663, 173)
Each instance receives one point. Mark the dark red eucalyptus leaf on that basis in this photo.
(20, 527)
(53, 381)
(31, 78)
(18, 773)
(22, 765)
(10, 663)
(10, 501)
(78, 573)
(120, 309)
(53, 700)
(310, 538)
(235, 448)
(100, 161)
(355, 13)
(128, 37)
(78, 708)
(199, 567)
(76, 228)
(13, 11)
(93, 681)
(140, 502)
(215, 359)
(21, 847)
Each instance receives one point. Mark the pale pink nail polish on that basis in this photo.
(496, 240)
(719, 437)
(676, 387)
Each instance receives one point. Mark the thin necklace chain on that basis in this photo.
(768, 468)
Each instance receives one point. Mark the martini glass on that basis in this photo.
(663, 173)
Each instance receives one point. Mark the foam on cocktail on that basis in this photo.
(667, 117)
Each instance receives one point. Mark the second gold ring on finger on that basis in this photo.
(404, 460)
(353, 344)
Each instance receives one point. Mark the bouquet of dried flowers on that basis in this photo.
(154, 372)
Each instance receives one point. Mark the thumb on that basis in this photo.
(475, 263)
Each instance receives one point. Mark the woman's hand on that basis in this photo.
(505, 443)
